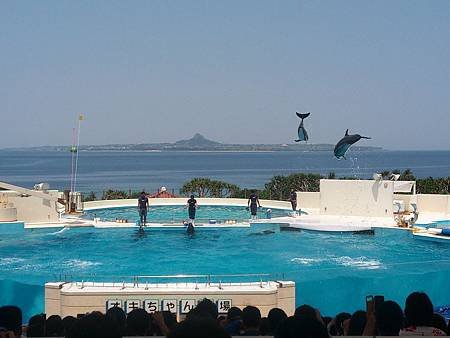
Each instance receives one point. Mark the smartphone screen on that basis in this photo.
(377, 301)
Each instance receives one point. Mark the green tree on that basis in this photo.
(280, 187)
(90, 197)
(114, 194)
(205, 187)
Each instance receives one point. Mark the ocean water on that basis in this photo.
(99, 171)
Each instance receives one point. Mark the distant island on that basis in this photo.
(199, 143)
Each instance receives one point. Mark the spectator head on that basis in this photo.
(199, 327)
(115, 322)
(439, 323)
(116, 316)
(337, 329)
(264, 327)
(357, 323)
(68, 322)
(251, 317)
(90, 325)
(418, 310)
(11, 319)
(54, 326)
(295, 327)
(326, 320)
(389, 318)
(275, 317)
(234, 313)
(170, 319)
(36, 326)
(205, 308)
(138, 322)
(305, 311)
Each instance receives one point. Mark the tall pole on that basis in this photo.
(73, 150)
(80, 118)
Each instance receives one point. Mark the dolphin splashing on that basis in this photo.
(302, 134)
(342, 146)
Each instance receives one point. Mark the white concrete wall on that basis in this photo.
(308, 200)
(34, 209)
(182, 201)
(66, 299)
(8, 214)
(433, 203)
(356, 198)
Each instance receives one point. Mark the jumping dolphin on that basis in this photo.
(302, 134)
(342, 146)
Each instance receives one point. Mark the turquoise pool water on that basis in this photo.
(177, 214)
(333, 272)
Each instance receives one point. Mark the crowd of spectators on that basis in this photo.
(385, 319)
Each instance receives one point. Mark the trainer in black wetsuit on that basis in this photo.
(143, 206)
(253, 203)
(293, 199)
(192, 207)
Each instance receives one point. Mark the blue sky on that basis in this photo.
(235, 71)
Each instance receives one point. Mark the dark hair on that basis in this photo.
(357, 323)
(54, 326)
(199, 327)
(337, 328)
(115, 321)
(251, 316)
(305, 311)
(264, 327)
(234, 313)
(418, 310)
(11, 318)
(205, 308)
(276, 316)
(68, 322)
(192, 196)
(170, 319)
(439, 323)
(389, 318)
(138, 322)
(295, 327)
(326, 320)
(90, 325)
(36, 326)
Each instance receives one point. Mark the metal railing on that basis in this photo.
(159, 281)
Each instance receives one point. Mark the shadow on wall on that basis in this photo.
(375, 189)
(30, 298)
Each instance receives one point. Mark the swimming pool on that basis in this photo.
(333, 272)
(177, 213)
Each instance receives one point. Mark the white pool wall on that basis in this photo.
(93, 205)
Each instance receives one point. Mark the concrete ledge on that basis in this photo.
(93, 205)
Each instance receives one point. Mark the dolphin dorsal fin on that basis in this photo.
(346, 132)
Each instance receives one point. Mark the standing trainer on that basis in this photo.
(253, 204)
(192, 208)
(293, 200)
(143, 207)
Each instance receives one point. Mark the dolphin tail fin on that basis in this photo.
(303, 116)
(346, 132)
